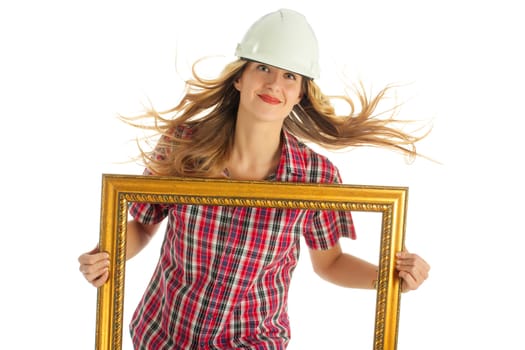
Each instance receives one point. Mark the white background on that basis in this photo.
(67, 68)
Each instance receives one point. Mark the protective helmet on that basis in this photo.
(282, 39)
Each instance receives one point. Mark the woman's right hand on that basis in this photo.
(94, 265)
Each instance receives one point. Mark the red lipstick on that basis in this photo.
(269, 99)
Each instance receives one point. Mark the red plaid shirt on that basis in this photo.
(223, 275)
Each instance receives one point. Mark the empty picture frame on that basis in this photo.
(119, 190)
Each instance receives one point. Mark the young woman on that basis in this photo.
(223, 275)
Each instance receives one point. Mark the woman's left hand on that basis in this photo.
(413, 270)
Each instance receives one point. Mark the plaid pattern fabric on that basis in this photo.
(223, 274)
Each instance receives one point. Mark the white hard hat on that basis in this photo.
(282, 39)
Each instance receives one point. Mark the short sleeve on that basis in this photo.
(148, 213)
(153, 213)
(327, 227)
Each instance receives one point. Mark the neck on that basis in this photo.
(256, 151)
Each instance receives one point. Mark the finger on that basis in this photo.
(92, 258)
(407, 257)
(408, 282)
(409, 261)
(413, 270)
(417, 272)
(412, 276)
(92, 251)
(90, 271)
(93, 275)
(100, 280)
(98, 264)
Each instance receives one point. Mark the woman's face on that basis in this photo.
(268, 93)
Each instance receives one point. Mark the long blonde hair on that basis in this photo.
(209, 107)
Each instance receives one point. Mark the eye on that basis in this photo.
(291, 76)
(263, 68)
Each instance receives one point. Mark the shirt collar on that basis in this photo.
(291, 166)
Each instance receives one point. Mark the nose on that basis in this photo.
(274, 78)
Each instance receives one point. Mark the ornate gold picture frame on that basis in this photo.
(119, 190)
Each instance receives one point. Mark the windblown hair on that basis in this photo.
(209, 107)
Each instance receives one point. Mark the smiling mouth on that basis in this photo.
(270, 99)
